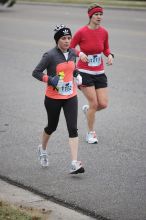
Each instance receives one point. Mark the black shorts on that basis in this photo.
(99, 81)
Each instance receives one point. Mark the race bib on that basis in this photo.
(94, 60)
(65, 88)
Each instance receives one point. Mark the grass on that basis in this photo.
(13, 212)
(124, 3)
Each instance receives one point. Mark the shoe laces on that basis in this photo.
(92, 134)
(44, 155)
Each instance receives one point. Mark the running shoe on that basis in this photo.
(43, 157)
(91, 137)
(76, 167)
(85, 109)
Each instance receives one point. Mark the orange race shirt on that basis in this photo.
(55, 63)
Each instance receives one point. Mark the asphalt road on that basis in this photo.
(113, 185)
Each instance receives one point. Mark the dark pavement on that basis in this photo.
(113, 185)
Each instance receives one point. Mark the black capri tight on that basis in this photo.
(70, 108)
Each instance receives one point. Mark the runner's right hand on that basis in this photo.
(78, 77)
(78, 80)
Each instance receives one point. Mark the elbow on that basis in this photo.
(37, 75)
(33, 74)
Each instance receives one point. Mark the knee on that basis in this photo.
(94, 106)
(102, 105)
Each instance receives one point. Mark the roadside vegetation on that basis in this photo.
(123, 3)
(13, 212)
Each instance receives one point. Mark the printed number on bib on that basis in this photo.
(65, 88)
(94, 60)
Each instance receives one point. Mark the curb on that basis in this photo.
(56, 205)
(24, 199)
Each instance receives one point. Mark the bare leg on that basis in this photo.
(97, 99)
(90, 94)
(73, 142)
(45, 139)
(102, 97)
(76, 166)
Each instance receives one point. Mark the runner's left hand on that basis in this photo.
(110, 59)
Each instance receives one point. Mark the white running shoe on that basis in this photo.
(43, 157)
(85, 109)
(76, 167)
(91, 137)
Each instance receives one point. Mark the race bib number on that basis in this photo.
(94, 60)
(65, 88)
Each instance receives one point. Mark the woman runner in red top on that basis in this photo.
(61, 93)
(93, 41)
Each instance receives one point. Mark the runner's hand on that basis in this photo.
(83, 57)
(110, 59)
(78, 77)
(53, 81)
(78, 80)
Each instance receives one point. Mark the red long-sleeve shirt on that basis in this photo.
(93, 43)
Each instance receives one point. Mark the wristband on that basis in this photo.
(112, 55)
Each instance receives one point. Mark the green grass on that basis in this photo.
(124, 3)
(11, 212)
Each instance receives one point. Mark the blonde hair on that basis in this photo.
(93, 5)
